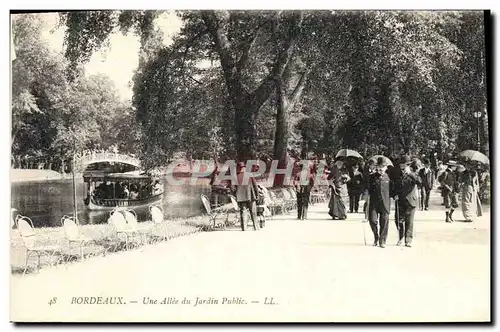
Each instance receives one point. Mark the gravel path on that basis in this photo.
(314, 270)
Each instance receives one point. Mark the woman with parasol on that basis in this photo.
(469, 182)
(338, 179)
(469, 186)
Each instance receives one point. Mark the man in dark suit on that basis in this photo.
(303, 182)
(426, 174)
(406, 200)
(368, 169)
(379, 189)
(450, 184)
(246, 195)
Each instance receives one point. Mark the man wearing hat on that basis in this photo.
(406, 200)
(303, 184)
(449, 182)
(246, 195)
(379, 189)
(368, 169)
(426, 174)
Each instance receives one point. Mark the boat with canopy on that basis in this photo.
(113, 180)
(107, 191)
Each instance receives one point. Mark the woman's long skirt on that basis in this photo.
(336, 206)
(469, 203)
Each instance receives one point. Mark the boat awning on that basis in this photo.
(136, 175)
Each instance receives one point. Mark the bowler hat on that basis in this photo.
(404, 160)
(381, 162)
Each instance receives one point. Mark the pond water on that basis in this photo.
(45, 202)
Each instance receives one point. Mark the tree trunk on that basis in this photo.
(246, 104)
(281, 134)
(13, 137)
(284, 107)
(305, 148)
(244, 124)
(282, 119)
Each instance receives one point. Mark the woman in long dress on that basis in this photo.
(470, 185)
(338, 179)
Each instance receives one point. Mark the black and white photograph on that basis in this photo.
(250, 166)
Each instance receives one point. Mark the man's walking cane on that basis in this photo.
(420, 202)
(366, 219)
(397, 217)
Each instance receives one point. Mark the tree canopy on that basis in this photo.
(53, 116)
(269, 84)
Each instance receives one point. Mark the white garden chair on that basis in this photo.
(279, 198)
(133, 225)
(236, 209)
(289, 201)
(158, 219)
(74, 236)
(276, 203)
(118, 222)
(318, 195)
(213, 213)
(35, 243)
(293, 197)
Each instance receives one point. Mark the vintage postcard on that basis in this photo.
(250, 166)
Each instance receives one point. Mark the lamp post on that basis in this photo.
(477, 115)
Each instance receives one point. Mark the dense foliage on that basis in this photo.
(53, 117)
(265, 84)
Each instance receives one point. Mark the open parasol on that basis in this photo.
(347, 153)
(375, 158)
(472, 155)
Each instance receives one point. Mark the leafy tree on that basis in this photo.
(415, 70)
(51, 116)
(27, 68)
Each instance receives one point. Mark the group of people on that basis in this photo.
(459, 181)
(409, 185)
(121, 190)
(375, 183)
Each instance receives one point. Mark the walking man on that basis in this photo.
(246, 195)
(379, 189)
(355, 188)
(368, 169)
(303, 185)
(426, 174)
(406, 197)
(449, 185)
